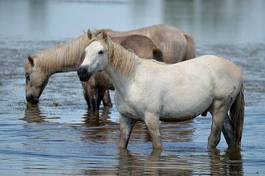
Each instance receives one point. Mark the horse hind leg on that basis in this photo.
(218, 112)
(228, 131)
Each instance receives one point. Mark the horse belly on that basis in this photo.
(185, 107)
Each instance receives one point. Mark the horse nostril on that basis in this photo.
(83, 74)
(81, 71)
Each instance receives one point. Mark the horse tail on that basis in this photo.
(190, 50)
(237, 117)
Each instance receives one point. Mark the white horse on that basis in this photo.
(152, 91)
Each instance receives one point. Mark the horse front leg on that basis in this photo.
(107, 103)
(100, 95)
(104, 96)
(87, 93)
(126, 126)
(106, 99)
(153, 125)
(90, 96)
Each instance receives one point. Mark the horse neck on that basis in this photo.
(121, 67)
(64, 58)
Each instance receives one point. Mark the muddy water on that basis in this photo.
(60, 137)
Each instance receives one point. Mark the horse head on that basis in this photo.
(95, 56)
(36, 80)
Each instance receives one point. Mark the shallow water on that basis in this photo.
(60, 137)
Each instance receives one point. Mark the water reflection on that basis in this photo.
(158, 164)
(91, 119)
(33, 114)
(98, 127)
(228, 164)
(154, 164)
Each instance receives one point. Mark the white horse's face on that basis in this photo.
(95, 60)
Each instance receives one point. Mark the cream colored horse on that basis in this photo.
(177, 46)
(152, 91)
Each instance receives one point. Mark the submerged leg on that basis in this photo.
(104, 96)
(228, 131)
(153, 124)
(219, 115)
(126, 125)
(89, 95)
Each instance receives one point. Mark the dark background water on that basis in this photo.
(60, 137)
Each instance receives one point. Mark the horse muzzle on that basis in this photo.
(31, 99)
(83, 74)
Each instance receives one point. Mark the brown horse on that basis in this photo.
(158, 41)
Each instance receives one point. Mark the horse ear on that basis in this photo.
(31, 60)
(104, 36)
(89, 34)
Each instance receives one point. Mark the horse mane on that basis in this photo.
(120, 58)
(101, 30)
(64, 57)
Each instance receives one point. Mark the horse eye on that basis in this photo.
(100, 52)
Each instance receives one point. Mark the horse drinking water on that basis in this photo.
(151, 91)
